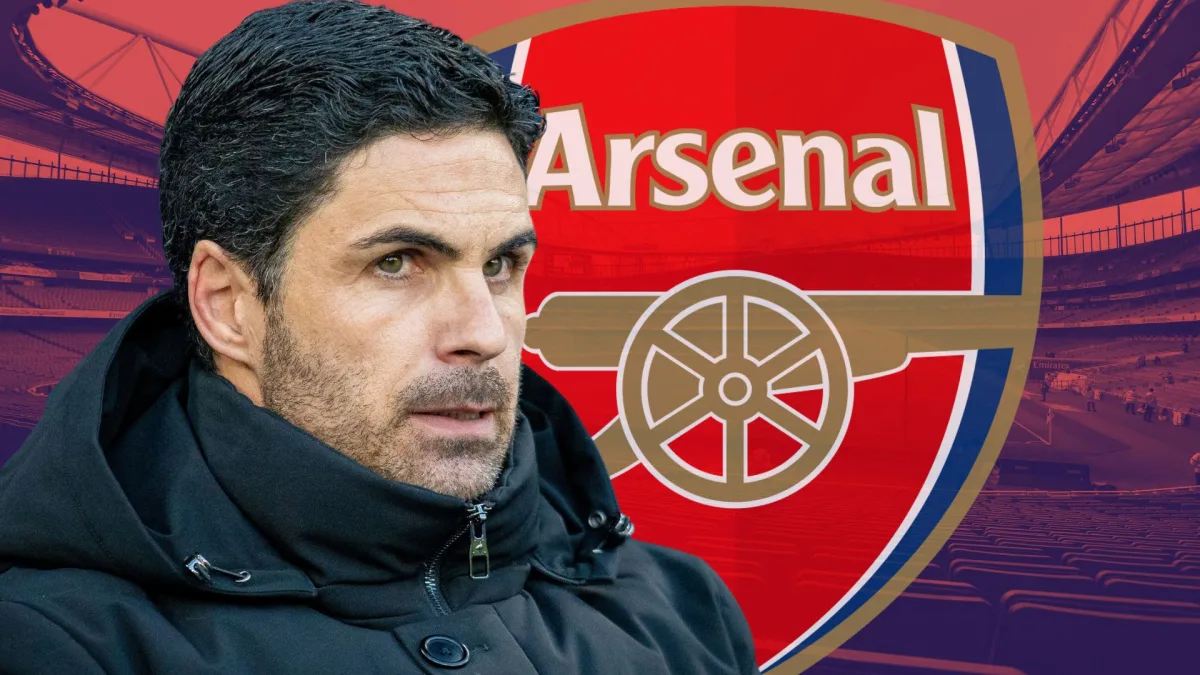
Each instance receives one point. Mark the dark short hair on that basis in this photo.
(264, 119)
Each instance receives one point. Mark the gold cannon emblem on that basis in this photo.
(727, 344)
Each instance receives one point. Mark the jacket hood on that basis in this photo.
(142, 459)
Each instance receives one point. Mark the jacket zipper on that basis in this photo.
(478, 561)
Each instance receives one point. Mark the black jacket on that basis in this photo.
(310, 563)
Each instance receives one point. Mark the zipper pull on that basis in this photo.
(478, 560)
(202, 570)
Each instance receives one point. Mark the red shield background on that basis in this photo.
(717, 69)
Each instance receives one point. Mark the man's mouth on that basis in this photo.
(458, 421)
(461, 413)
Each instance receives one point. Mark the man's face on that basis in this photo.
(397, 335)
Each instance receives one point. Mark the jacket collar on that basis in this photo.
(337, 520)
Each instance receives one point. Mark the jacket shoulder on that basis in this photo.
(73, 598)
(36, 637)
(52, 618)
(698, 593)
(640, 558)
(47, 588)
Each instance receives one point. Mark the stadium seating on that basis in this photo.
(1149, 590)
(10, 299)
(115, 299)
(76, 341)
(39, 359)
(36, 359)
(1049, 577)
(1043, 638)
(1115, 310)
(1017, 561)
(1117, 348)
(954, 626)
(82, 218)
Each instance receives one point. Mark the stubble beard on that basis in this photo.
(329, 400)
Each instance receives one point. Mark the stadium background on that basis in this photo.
(1082, 555)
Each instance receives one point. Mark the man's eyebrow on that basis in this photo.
(526, 238)
(403, 234)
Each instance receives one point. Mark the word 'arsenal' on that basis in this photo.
(885, 176)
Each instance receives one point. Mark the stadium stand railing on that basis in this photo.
(1123, 236)
(23, 168)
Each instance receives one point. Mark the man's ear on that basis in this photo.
(224, 306)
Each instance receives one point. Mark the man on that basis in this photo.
(1130, 401)
(1151, 402)
(1195, 462)
(315, 457)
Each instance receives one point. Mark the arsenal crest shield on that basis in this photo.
(788, 275)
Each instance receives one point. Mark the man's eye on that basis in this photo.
(495, 267)
(392, 264)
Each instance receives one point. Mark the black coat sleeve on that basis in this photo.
(739, 631)
(31, 644)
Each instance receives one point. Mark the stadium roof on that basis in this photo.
(40, 106)
(1136, 134)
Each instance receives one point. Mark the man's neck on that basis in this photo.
(241, 376)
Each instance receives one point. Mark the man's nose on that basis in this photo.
(473, 327)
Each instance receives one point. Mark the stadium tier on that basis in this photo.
(80, 219)
(1109, 315)
(114, 299)
(39, 363)
(68, 264)
(50, 353)
(74, 341)
(1149, 308)
(1122, 348)
(1120, 264)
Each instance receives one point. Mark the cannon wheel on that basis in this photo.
(733, 386)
